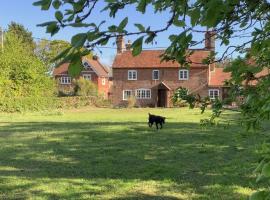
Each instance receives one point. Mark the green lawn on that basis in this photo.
(112, 154)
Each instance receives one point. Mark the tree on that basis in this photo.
(23, 34)
(46, 50)
(23, 74)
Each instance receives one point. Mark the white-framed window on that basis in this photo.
(183, 74)
(213, 93)
(155, 74)
(87, 77)
(143, 93)
(127, 94)
(65, 80)
(103, 81)
(132, 74)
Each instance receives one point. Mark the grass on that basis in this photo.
(112, 154)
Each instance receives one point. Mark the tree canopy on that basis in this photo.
(23, 34)
(22, 73)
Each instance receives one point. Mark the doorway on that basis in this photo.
(162, 98)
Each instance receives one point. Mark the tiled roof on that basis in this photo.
(95, 64)
(218, 77)
(151, 59)
(61, 70)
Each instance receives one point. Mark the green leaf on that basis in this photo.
(61, 55)
(59, 16)
(266, 170)
(78, 40)
(179, 23)
(142, 6)
(261, 195)
(82, 25)
(137, 46)
(47, 23)
(45, 4)
(122, 25)
(56, 4)
(140, 27)
(150, 38)
(53, 28)
(195, 16)
(75, 67)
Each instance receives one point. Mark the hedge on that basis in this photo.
(24, 104)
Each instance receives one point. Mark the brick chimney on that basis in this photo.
(120, 43)
(128, 45)
(210, 40)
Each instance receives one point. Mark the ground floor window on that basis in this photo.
(127, 94)
(213, 94)
(65, 80)
(143, 94)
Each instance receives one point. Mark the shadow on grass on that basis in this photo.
(189, 158)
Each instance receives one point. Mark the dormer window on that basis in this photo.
(86, 65)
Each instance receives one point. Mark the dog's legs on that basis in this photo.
(161, 125)
(156, 125)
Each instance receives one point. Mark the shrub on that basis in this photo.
(131, 102)
(179, 97)
(85, 88)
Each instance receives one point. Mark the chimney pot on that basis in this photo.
(128, 45)
(120, 43)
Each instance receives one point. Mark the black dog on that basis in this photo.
(156, 119)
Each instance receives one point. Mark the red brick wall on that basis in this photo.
(197, 83)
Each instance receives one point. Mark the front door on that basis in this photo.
(162, 98)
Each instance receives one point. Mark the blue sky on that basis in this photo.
(23, 12)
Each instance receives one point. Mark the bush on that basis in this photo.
(179, 97)
(85, 88)
(131, 102)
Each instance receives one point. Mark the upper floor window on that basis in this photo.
(132, 74)
(65, 80)
(183, 74)
(213, 94)
(143, 94)
(103, 81)
(127, 94)
(155, 75)
(87, 77)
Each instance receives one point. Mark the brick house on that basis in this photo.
(93, 71)
(152, 82)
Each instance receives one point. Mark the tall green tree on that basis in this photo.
(47, 50)
(23, 34)
(22, 73)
